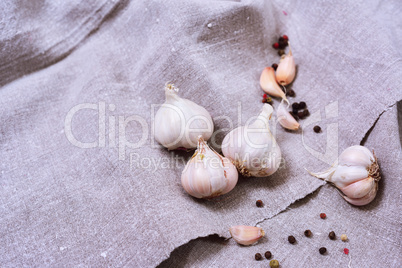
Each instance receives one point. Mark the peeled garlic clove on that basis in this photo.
(365, 199)
(286, 71)
(208, 174)
(179, 122)
(359, 189)
(246, 235)
(285, 118)
(269, 85)
(252, 148)
(356, 174)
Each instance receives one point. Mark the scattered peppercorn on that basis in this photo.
(306, 112)
(323, 215)
(264, 100)
(258, 256)
(302, 105)
(295, 106)
(322, 250)
(344, 237)
(281, 52)
(291, 239)
(268, 255)
(307, 233)
(281, 39)
(332, 235)
(274, 264)
(290, 93)
(346, 251)
(285, 37)
(317, 129)
(300, 114)
(259, 203)
(269, 100)
(265, 96)
(275, 66)
(276, 45)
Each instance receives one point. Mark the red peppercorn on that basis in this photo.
(276, 45)
(285, 37)
(323, 215)
(264, 96)
(346, 251)
(259, 203)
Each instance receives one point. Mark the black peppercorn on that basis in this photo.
(300, 114)
(317, 129)
(268, 255)
(281, 39)
(332, 235)
(302, 105)
(291, 239)
(290, 93)
(307, 233)
(282, 43)
(294, 115)
(306, 112)
(295, 106)
(322, 250)
(258, 256)
(259, 203)
(281, 52)
(275, 66)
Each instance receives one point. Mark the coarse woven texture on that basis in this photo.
(111, 205)
(374, 231)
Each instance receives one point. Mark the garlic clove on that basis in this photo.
(345, 175)
(285, 118)
(286, 71)
(365, 199)
(356, 156)
(358, 189)
(208, 174)
(246, 235)
(269, 85)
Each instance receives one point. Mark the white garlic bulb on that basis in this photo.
(285, 118)
(208, 174)
(269, 85)
(286, 71)
(253, 148)
(246, 235)
(179, 121)
(356, 174)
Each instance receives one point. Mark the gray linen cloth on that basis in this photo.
(79, 84)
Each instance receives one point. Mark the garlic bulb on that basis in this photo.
(285, 118)
(208, 174)
(252, 148)
(246, 235)
(356, 174)
(179, 122)
(269, 85)
(286, 71)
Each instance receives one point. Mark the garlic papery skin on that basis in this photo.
(246, 235)
(285, 118)
(356, 174)
(286, 71)
(179, 121)
(208, 174)
(252, 148)
(269, 85)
